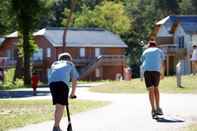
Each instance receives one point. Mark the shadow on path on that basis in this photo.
(167, 119)
(21, 94)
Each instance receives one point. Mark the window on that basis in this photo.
(9, 53)
(97, 72)
(48, 52)
(82, 52)
(181, 42)
(97, 52)
(38, 55)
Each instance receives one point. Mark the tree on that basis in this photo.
(167, 7)
(69, 19)
(28, 14)
(108, 15)
(7, 22)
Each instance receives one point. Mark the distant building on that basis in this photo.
(97, 53)
(175, 35)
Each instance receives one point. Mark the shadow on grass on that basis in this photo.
(167, 119)
(21, 94)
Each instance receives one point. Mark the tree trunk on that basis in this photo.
(72, 7)
(26, 50)
(19, 69)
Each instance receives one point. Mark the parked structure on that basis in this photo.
(175, 35)
(98, 54)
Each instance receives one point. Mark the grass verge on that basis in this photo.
(18, 113)
(167, 85)
(192, 127)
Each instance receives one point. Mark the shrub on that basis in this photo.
(8, 80)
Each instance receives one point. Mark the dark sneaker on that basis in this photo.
(159, 111)
(154, 115)
(56, 129)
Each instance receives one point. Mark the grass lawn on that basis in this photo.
(192, 127)
(18, 113)
(167, 85)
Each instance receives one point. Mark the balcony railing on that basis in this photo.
(6, 62)
(169, 48)
(106, 59)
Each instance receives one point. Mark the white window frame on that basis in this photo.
(48, 52)
(38, 55)
(82, 52)
(97, 52)
(97, 73)
(9, 53)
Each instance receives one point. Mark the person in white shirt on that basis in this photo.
(178, 74)
(194, 59)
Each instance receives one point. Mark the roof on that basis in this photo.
(81, 37)
(1, 40)
(188, 22)
(12, 35)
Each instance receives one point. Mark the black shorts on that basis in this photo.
(59, 91)
(152, 78)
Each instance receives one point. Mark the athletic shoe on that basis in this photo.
(159, 111)
(56, 129)
(154, 115)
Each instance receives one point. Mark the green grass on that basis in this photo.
(192, 127)
(167, 85)
(18, 113)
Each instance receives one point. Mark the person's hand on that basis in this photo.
(72, 96)
(161, 77)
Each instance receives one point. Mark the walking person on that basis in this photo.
(179, 74)
(152, 63)
(61, 72)
(34, 82)
(194, 59)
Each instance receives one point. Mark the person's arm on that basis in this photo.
(73, 92)
(74, 76)
(162, 72)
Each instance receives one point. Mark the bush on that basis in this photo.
(8, 80)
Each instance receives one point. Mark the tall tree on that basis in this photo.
(28, 14)
(108, 15)
(168, 7)
(69, 19)
(7, 23)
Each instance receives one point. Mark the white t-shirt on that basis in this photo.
(194, 55)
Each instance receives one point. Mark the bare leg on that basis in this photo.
(152, 98)
(157, 97)
(59, 111)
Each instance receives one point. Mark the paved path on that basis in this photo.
(127, 112)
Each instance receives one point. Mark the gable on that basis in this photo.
(164, 32)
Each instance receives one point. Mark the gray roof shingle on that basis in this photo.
(81, 37)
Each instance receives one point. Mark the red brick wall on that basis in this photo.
(109, 72)
(113, 51)
(9, 43)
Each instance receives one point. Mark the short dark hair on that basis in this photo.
(65, 57)
(194, 45)
(152, 44)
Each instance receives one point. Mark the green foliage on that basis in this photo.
(19, 83)
(8, 80)
(108, 15)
